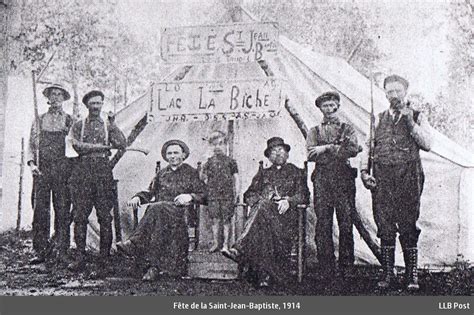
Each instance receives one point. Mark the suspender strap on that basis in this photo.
(106, 130)
(82, 129)
(339, 135)
(341, 132)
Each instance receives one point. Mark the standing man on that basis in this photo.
(51, 170)
(161, 237)
(330, 145)
(397, 179)
(91, 181)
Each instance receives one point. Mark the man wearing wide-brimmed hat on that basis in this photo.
(330, 145)
(91, 181)
(273, 197)
(161, 237)
(50, 169)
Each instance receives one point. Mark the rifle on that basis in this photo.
(37, 127)
(372, 128)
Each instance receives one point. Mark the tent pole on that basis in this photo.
(20, 190)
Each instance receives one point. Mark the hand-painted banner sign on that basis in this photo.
(234, 43)
(212, 100)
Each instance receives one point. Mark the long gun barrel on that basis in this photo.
(37, 122)
(372, 127)
(37, 126)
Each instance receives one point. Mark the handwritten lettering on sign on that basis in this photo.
(234, 43)
(211, 100)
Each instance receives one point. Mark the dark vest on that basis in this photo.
(52, 144)
(393, 142)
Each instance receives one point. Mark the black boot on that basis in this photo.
(412, 268)
(388, 260)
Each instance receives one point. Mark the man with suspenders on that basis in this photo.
(50, 171)
(330, 145)
(91, 181)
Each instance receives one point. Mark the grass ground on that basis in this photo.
(17, 277)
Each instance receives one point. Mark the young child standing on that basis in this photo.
(221, 174)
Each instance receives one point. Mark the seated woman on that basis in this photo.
(273, 197)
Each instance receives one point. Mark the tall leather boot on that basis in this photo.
(388, 261)
(412, 268)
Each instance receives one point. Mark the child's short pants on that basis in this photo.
(221, 209)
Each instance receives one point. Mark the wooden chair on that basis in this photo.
(298, 250)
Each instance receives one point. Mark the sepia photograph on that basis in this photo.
(237, 148)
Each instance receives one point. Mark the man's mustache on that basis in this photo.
(394, 101)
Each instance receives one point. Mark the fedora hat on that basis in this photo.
(48, 89)
(274, 142)
(174, 142)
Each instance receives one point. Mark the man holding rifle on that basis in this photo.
(330, 145)
(91, 182)
(394, 174)
(51, 170)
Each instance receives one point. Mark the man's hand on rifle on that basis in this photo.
(368, 180)
(333, 148)
(34, 169)
(134, 203)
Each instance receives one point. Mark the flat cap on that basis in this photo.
(92, 94)
(331, 95)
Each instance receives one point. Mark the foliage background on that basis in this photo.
(114, 45)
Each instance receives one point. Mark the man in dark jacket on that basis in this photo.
(397, 179)
(161, 237)
(273, 197)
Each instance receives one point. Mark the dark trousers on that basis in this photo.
(162, 237)
(266, 240)
(334, 191)
(91, 186)
(52, 183)
(397, 202)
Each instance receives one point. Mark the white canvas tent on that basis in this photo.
(447, 209)
(447, 215)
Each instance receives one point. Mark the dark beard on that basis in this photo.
(395, 103)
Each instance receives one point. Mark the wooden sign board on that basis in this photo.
(234, 43)
(215, 100)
